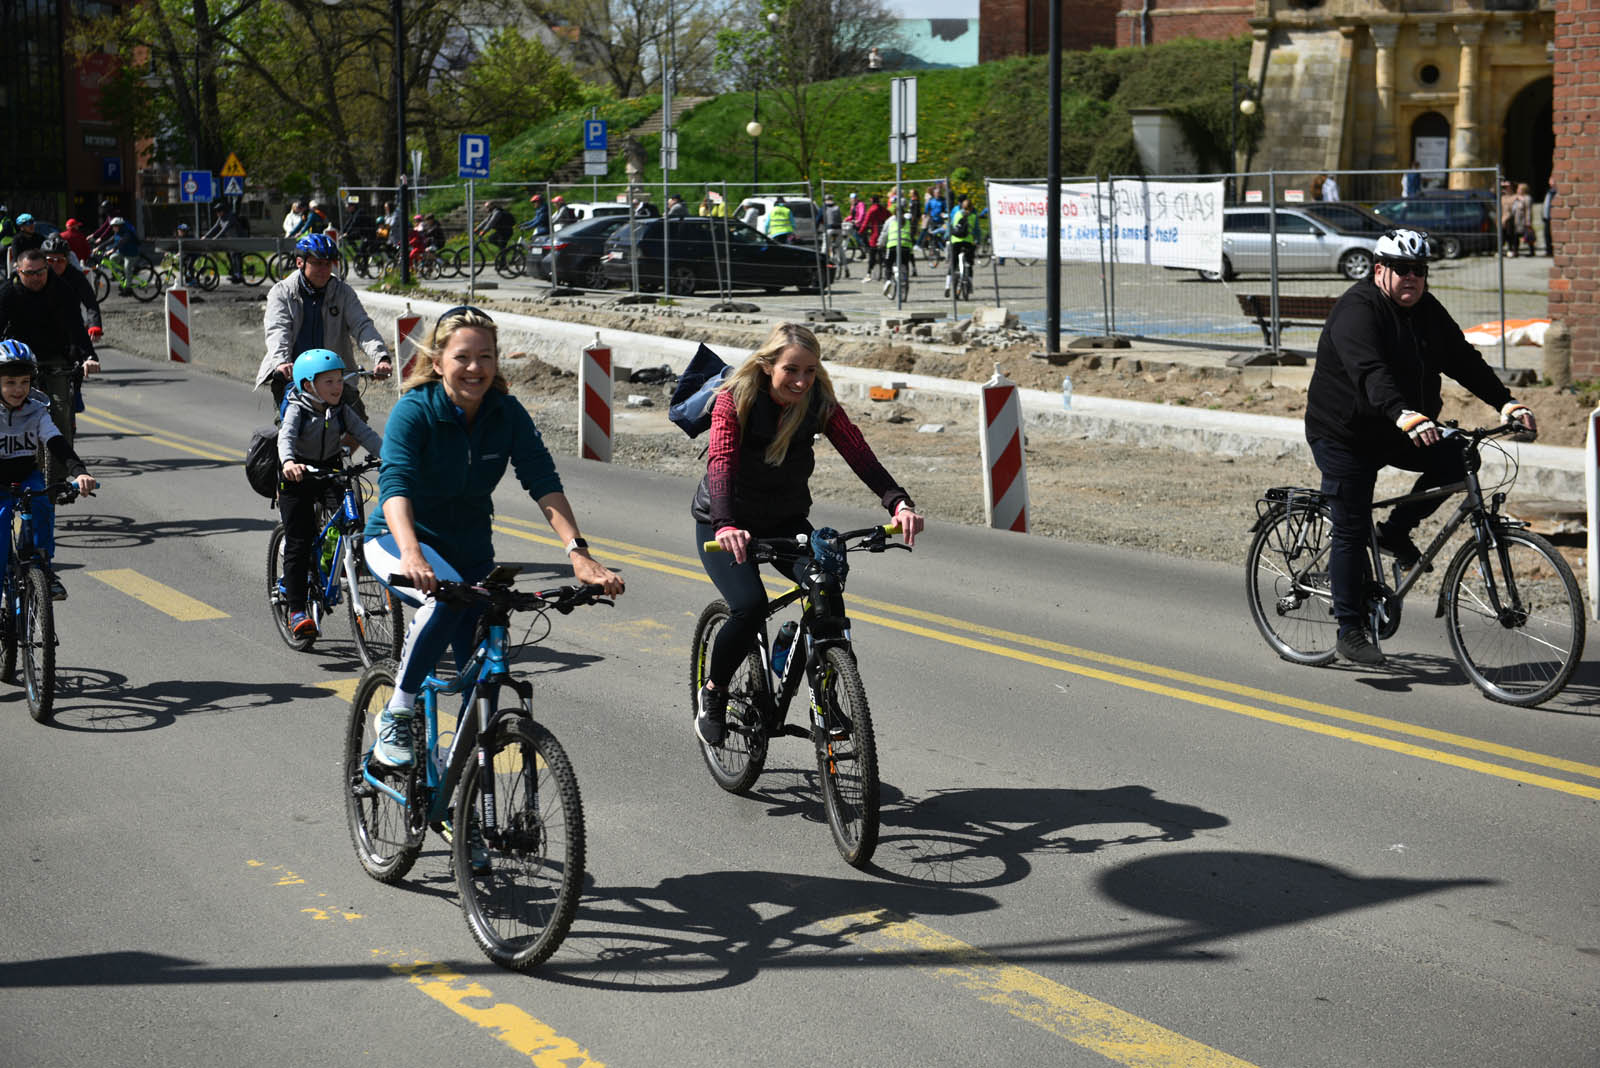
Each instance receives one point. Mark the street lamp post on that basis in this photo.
(753, 127)
(1245, 107)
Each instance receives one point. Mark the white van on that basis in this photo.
(589, 210)
(805, 219)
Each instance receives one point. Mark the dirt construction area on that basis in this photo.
(1157, 499)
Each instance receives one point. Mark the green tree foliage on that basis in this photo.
(620, 43)
(513, 80)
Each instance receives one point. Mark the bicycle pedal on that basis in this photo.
(794, 730)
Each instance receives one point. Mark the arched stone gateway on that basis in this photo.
(1528, 142)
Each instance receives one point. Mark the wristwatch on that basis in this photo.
(576, 543)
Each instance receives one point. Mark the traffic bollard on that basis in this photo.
(594, 393)
(1005, 474)
(178, 324)
(405, 349)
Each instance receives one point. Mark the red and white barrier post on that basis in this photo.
(405, 349)
(594, 399)
(1591, 485)
(1005, 475)
(178, 324)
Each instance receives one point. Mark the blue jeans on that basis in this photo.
(44, 520)
(1348, 477)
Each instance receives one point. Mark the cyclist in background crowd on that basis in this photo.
(58, 257)
(870, 228)
(25, 239)
(293, 218)
(963, 239)
(497, 224)
(757, 485)
(539, 225)
(8, 227)
(446, 446)
(894, 243)
(314, 221)
(833, 226)
(1372, 402)
(313, 309)
(30, 433)
(315, 422)
(228, 225)
(123, 246)
(102, 233)
(39, 310)
(78, 241)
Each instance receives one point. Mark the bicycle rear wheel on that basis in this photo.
(145, 283)
(278, 602)
(206, 274)
(1287, 584)
(377, 620)
(254, 268)
(380, 828)
(847, 757)
(38, 644)
(1517, 626)
(102, 285)
(520, 894)
(737, 762)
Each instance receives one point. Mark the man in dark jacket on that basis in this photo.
(37, 307)
(1372, 401)
(225, 224)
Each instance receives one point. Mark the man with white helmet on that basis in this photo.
(1372, 403)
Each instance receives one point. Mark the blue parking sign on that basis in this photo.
(474, 156)
(111, 170)
(594, 135)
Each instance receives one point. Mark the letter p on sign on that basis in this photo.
(474, 156)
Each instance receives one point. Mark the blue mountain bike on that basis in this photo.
(27, 612)
(495, 784)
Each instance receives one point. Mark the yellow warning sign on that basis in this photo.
(233, 168)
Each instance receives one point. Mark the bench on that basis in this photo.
(1292, 311)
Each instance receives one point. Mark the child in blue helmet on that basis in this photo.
(315, 421)
(25, 425)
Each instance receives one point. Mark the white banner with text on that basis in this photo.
(1163, 224)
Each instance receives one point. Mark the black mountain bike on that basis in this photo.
(27, 613)
(1513, 611)
(818, 649)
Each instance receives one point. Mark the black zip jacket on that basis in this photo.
(1376, 359)
(50, 321)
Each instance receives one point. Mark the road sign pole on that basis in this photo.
(472, 245)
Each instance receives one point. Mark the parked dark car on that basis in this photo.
(1458, 222)
(572, 257)
(748, 258)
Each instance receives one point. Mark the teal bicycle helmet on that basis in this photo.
(16, 358)
(312, 362)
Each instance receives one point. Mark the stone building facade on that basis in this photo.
(1376, 84)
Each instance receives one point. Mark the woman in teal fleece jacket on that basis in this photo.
(446, 446)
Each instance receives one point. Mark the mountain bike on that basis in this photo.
(27, 612)
(898, 279)
(339, 572)
(1512, 609)
(961, 271)
(855, 246)
(501, 791)
(140, 281)
(193, 269)
(818, 648)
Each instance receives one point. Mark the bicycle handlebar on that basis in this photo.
(800, 544)
(561, 598)
(60, 492)
(369, 464)
(1475, 435)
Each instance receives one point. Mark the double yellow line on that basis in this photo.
(1155, 679)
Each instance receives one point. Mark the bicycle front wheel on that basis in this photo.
(278, 602)
(377, 620)
(102, 285)
(737, 762)
(38, 643)
(254, 268)
(520, 881)
(1287, 584)
(1514, 617)
(145, 283)
(386, 843)
(847, 757)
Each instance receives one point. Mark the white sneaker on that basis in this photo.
(393, 747)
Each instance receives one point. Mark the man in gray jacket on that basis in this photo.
(313, 309)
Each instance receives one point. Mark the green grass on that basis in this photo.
(989, 120)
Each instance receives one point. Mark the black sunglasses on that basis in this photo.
(1405, 267)
(461, 309)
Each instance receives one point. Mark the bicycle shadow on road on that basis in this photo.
(720, 929)
(93, 700)
(106, 468)
(90, 531)
(1407, 671)
(989, 836)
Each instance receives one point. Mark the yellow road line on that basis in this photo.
(163, 598)
(1266, 715)
(511, 1026)
(1064, 1012)
(171, 441)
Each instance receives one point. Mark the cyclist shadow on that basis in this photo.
(989, 836)
(1407, 671)
(99, 530)
(721, 929)
(93, 700)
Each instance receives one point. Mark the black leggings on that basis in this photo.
(740, 586)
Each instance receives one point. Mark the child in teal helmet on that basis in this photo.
(315, 422)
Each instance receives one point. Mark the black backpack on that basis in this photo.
(261, 467)
(690, 407)
(962, 227)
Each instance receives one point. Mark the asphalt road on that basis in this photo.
(1116, 829)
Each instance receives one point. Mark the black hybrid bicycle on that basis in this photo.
(27, 613)
(1512, 608)
(817, 648)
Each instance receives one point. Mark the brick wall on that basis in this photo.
(1575, 274)
(1022, 27)
(1170, 20)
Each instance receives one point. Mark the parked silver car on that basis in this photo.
(1306, 245)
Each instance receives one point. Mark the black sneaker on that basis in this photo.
(709, 724)
(1399, 545)
(1357, 647)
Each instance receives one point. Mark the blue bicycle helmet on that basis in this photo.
(312, 362)
(16, 358)
(317, 247)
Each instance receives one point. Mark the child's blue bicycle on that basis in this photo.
(339, 572)
(501, 791)
(27, 612)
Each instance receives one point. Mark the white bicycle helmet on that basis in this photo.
(1404, 245)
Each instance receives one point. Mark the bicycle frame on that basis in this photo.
(823, 623)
